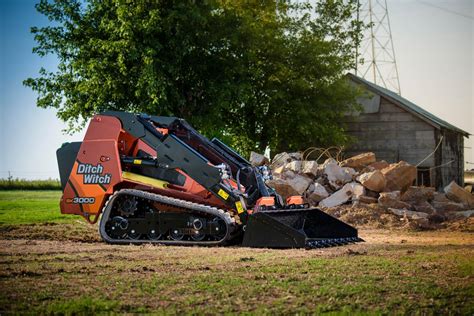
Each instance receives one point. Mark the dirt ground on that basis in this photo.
(65, 268)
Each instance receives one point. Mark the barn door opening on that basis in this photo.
(423, 177)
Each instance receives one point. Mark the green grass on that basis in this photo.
(28, 207)
(23, 184)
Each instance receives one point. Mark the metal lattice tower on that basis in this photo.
(376, 61)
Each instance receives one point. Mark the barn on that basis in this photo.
(396, 129)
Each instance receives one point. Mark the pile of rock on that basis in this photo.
(364, 180)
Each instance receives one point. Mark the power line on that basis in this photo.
(446, 10)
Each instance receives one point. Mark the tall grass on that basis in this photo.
(23, 184)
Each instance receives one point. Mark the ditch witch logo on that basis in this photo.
(93, 174)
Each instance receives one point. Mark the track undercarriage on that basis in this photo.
(133, 216)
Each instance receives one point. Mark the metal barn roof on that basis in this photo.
(407, 105)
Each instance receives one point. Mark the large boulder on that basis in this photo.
(440, 197)
(294, 166)
(392, 200)
(316, 193)
(379, 165)
(257, 159)
(287, 174)
(399, 176)
(418, 194)
(277, 172)
(295, 185)
(310, 168)
(282, 187)
(296, 155)
(357, 191)
(424, 206)
(359, 161)
(325, 163)
(290, 186)
(448, 207)
(457, 194)
(374, 181)
(337, 175)
(338, 198)
(280, 160)
(300, 183)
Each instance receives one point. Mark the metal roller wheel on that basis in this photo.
(220, 229)
(198, 236)
(132, 234)
(176, 234)
(153, 234)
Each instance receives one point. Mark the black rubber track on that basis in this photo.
(185, 206)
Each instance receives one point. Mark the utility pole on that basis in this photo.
(377, 62)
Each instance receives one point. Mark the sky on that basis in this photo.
(434, 48)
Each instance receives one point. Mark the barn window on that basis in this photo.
(423, 177)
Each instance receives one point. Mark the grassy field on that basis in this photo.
(22, 184)
(28, 207)
(62, 267)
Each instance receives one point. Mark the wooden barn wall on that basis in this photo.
(393, 134)
(449, 158)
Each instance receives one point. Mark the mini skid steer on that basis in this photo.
(154, 179)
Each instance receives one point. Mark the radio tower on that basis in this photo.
(376, 61)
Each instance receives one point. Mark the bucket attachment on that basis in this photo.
(297, 228)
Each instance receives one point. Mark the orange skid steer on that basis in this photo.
(154, 179)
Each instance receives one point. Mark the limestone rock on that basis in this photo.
(399, 176)
(277, 172)
(338, 198)
(448, 207)
(294, 166)
(374, 181)
(317, 192)
(282, 187)
(392, 200)
(440, 197)
(468, 188)
(300, 183)
(280, 160)
(325, 163)
(287, 174)
(337, 175)
(359, 161)
(296, 156)
(310, 167)
(379, 165)
(424, 206)
(291, 186)
(257, 159)
(408, 214)
(457, 194)
(418, 194)
(466, 214)
(357, 191)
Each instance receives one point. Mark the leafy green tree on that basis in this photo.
(254, 73)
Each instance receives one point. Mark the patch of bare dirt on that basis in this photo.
(79, 231)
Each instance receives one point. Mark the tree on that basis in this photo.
(254, 73)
